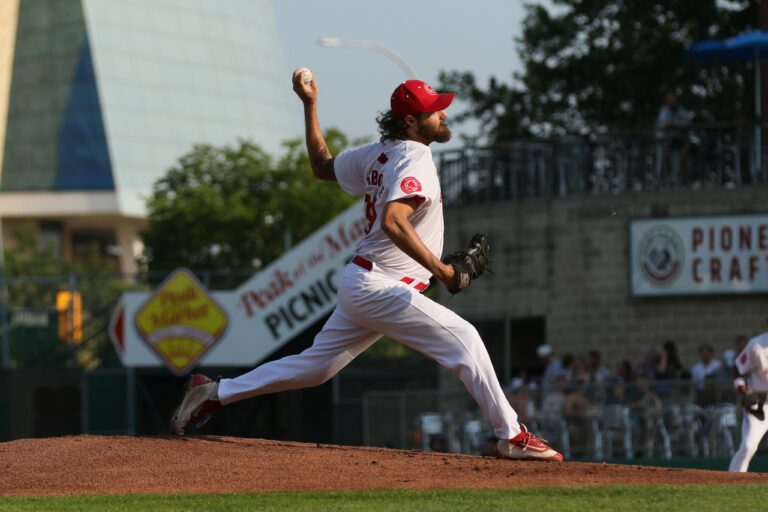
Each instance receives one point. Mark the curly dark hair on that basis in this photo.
(391, 127)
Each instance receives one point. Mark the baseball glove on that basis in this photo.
(469, 263)
(753, 402)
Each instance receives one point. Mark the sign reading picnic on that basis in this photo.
(181, 324)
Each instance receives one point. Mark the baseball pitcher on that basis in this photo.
(380, 289)
(752, 384)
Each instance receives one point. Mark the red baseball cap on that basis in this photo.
(414, 96)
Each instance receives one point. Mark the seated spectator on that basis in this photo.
(553, 368)
(646, 368)
(670, 367)
(576, 405)
(597, 372)
(577, 374)
(567, 363)
(519, 397)
(624, 389)
(707, 368)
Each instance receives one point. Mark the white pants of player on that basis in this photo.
(371, 304)
(752, 432)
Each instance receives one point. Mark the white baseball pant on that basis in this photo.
(752, 432)
(375, 303)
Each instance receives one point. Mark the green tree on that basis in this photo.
(35, 276)
(598, 65)
(231, 207)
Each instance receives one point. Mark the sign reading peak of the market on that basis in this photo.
(181, 321)
(181, 325)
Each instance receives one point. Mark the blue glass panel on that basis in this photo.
(83, 155)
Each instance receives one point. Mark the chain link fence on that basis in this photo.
(652, 419)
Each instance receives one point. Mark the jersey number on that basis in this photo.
(370, 212)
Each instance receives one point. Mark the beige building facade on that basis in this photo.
(100, 98)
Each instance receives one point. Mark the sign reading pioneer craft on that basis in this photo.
(182, 325)
(699, 255)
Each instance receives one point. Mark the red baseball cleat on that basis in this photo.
(526, 446)
(196, 406)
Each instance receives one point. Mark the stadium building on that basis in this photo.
(98, 98)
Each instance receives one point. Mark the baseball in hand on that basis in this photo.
(305, 74)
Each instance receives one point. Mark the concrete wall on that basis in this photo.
(567, 260)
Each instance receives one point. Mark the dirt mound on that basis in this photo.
(107, 465)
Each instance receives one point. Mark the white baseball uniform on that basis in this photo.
(752, 363)
(379, 293)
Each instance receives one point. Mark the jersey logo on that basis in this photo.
(409, 185)
(744, 358)
(383, 158)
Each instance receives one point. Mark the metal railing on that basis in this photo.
(644, 419)
(703, 156)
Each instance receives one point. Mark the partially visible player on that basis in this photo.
(752, 366)
(380, 289)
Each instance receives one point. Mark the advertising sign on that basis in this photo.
(699, 255)
(181, 324)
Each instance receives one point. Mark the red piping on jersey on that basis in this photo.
(367, 265)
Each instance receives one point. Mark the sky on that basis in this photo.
(354, 84)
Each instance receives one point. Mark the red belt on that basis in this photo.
(367, 265)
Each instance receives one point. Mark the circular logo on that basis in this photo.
(429, 89)
(410, 185)
(661, 255)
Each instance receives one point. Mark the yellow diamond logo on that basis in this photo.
(181, 321)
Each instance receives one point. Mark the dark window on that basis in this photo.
(87, 244)
(526, 334)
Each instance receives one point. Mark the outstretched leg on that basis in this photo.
(335, 346)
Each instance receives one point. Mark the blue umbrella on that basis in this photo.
(751, 45)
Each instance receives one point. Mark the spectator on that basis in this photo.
(646, 368)
(707, 368)
(625, 390)
(578, 408)
(673, 135)
(577, 405)
(519, 396)
(567, 364)
(669, 366)
(577, 374)
(597, 372)
(553, 368)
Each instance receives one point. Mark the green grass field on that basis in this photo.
(655, 498)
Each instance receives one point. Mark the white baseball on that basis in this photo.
(306, 75)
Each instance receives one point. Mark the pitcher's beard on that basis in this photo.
(440, 134)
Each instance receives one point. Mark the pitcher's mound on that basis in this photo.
(206, 464)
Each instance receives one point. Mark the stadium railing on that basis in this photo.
(713, 155)
(643, 419)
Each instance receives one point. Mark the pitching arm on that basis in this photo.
(320, 157)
